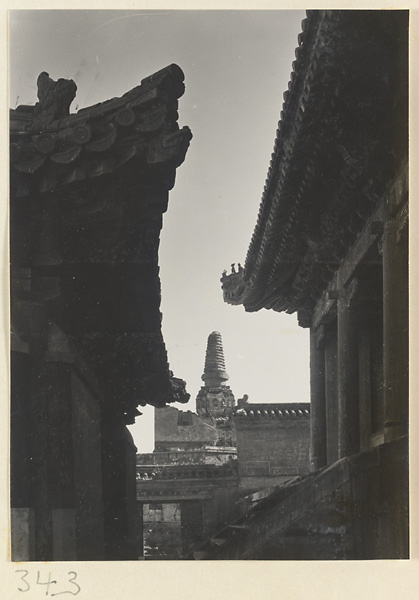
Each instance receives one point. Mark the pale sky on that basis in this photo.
(237, 65)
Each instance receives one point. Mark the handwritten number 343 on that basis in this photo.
(72, 576)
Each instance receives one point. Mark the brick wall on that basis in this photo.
(182, 429)
(271, 443)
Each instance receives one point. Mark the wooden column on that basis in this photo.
(330, 357)
(21, 512)
(39, 456)
(121, 524)
(348, 372)
(318, 441)
(365, 388)
(88, 486)
(395, 325)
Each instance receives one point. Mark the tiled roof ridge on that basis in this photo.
(101, 138)
(240, 284)
(285, 190)
(138, 95)
(310, 27)
(280, 205)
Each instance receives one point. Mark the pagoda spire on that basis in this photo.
(214, 371)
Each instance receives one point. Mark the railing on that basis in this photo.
(170, 473)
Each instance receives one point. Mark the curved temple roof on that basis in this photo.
(87, 195)
(341, 137)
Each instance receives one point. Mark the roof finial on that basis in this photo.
(54, 98)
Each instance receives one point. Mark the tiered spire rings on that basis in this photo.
(214, 371)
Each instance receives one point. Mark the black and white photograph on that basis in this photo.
(209, 286)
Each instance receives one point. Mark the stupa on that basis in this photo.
(215, 399)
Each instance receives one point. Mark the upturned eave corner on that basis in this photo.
(233, 286)
(141, 128)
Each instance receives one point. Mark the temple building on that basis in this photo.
(210, 466)
(331, 246)
(87, 195)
